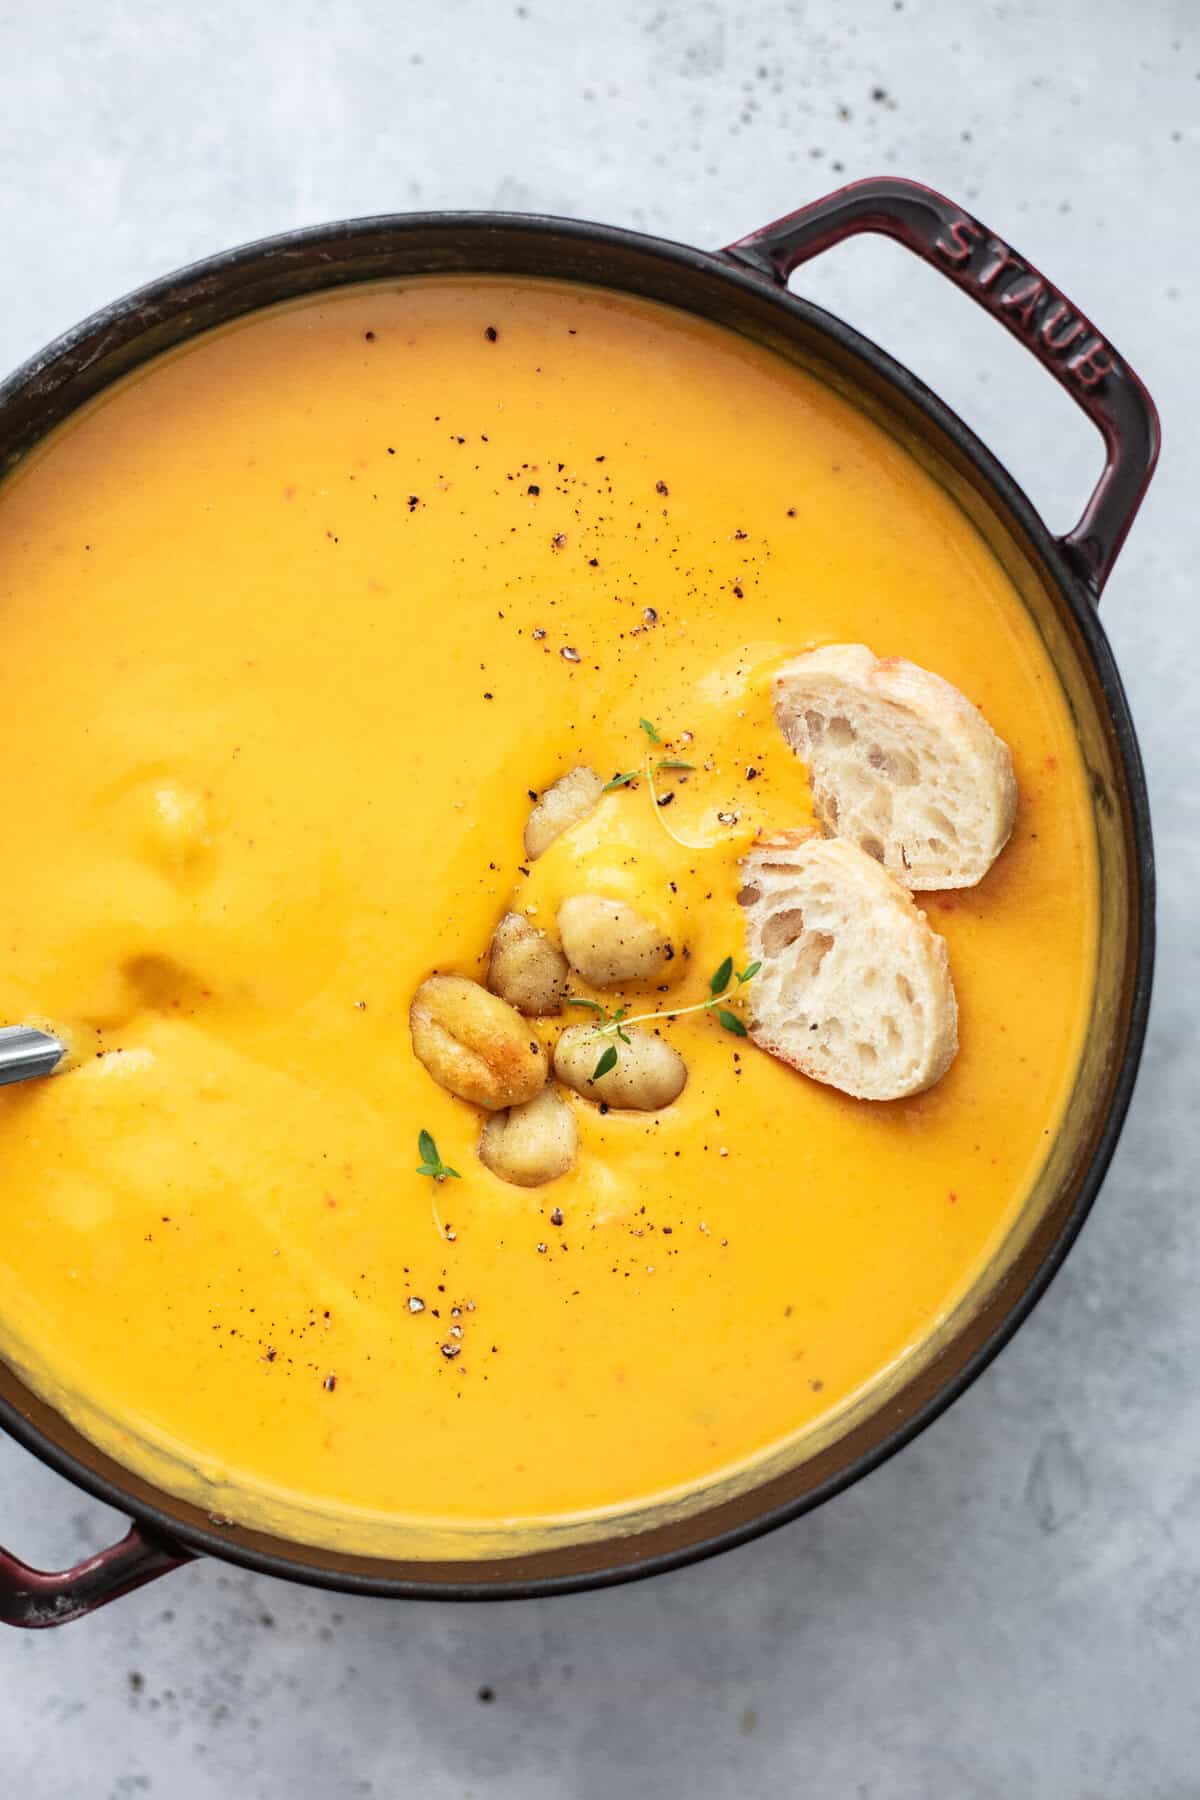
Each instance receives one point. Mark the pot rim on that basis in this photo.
(156, 301)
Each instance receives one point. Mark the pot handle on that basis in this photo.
(36, 1600)
(1032, 308)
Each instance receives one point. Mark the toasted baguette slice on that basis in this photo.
(854, 988)
(901, 763)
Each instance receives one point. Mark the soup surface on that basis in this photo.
(293, 624)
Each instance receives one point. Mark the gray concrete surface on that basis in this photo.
(1013, 1606)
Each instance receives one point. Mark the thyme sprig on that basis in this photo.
(664, 762)
(724, 983)
(431, 1164)
(431, 1161)
(649, 768)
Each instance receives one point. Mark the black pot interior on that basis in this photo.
(113, 343)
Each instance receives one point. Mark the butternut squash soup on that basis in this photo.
(297, 625)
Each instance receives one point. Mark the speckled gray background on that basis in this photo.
(1012, 1607)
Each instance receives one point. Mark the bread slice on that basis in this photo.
(854, 987)
(901, 763)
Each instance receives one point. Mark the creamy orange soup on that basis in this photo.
(293, 623)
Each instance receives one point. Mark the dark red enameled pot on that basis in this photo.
(744, 288)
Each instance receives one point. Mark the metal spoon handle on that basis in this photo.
(26, 1052)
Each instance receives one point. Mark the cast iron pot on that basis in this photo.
(743, 287)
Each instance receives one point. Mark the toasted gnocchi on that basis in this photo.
(649, 1073)
(526, 968)
(474, 1044)
(565, 802)
(609, 942)
(532, 1143)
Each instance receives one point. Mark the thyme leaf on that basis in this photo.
(431, 1162)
